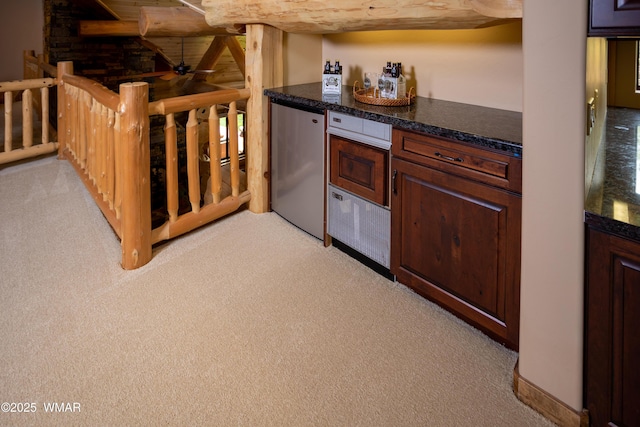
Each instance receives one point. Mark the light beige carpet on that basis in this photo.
(247, 322)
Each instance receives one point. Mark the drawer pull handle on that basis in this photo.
(337, 120)
(451, 159)
(393, 181)
(336, 196)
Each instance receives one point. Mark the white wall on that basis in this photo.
(551, 325)
(22, 29)
(481, 66)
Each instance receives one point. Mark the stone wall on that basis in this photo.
(105, 59)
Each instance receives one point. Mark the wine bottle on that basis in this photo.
(402, 83)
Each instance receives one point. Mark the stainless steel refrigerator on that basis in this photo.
(297, 166)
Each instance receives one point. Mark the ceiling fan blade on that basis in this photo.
(202, 71)
(169, 75)
(143, 75)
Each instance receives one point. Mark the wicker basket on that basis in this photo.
(367, 96)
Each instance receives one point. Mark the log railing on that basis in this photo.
(222, 204)
(34, 93)
(106, 136)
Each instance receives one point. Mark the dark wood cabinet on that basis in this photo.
(455, 239)
(612, 342)
(614, 18)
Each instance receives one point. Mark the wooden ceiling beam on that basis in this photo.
(215, 51)
(108, 29)
(211, 56)
(237, 52)
(336, 16)
(178, 22)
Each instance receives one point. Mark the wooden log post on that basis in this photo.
(136, 172)
(64, 68)
(264, 69)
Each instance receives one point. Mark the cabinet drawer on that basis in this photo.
(360, 169)
(359, 126)
(462, 159)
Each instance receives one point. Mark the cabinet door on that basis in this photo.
(360, 168)
(457, 242)
(612, 342)
(614, 18)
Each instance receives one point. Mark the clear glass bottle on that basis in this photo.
(402, 83)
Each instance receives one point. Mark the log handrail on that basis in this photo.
(199, 100)
(30, 59)
(20, 85)
(30, 104)
(99, 92)
(106, 136)
(199, 215)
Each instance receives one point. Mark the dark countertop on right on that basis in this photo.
(613, 202)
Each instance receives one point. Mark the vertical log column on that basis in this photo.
(264, 69)
(136, 172)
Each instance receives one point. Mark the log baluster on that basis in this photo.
(92, 155)
(84, 121)
(103, 150)
(193, 167)
(27, 118)
(119, 182)
(70, 119)
(111, 159)
(77, 125)
(8, 121)
(214, 154)
(44, 102)
(64, 68)
(171, 178)
(234, 156)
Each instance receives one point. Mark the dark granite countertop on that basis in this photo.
(487, 127)
(613, 202)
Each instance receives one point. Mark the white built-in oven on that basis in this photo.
(358, 199)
